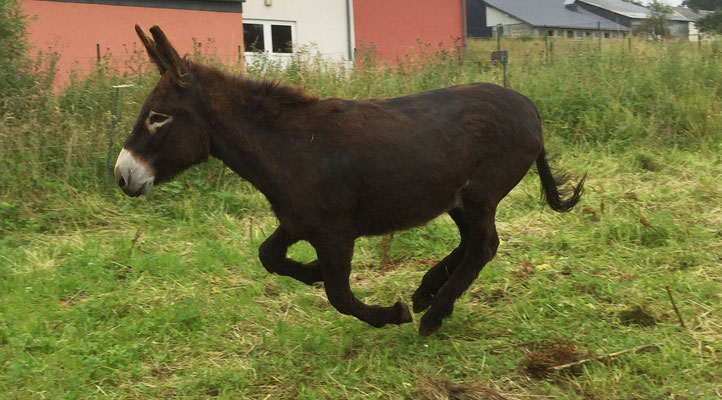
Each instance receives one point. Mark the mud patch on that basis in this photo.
(540, 359)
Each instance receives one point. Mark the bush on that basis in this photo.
(14, 63)
(22, 81)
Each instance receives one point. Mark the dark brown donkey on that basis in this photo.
(334, 169)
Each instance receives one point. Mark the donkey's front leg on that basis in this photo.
(272, 254)
(335, 258)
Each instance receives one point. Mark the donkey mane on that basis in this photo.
(265, 97)
(277, 92)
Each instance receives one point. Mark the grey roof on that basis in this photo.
(553, 13)
(690, 13)
(629, 10)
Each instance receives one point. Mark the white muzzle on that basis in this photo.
(133, 174)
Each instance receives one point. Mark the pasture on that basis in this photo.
(105, 296)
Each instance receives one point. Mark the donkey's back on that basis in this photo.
(405, 160)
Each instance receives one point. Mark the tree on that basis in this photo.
(635, 2)
(656, 26)
(13, 46)
(708, 5)
(711, 23)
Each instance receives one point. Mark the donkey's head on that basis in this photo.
(169, 135)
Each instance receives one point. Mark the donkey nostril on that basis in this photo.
(121, 182)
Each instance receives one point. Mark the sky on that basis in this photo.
(673, 3)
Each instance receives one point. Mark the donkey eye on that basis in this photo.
(157, 118)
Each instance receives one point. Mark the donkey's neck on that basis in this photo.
(250, 123)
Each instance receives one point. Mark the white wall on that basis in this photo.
(321, 24)
(495, 17)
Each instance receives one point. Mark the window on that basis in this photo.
(282, 41)
(550, 32)
(253, 37)
(606, 35)
(570, 34)
(268, 36)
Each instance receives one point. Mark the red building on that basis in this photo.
(394, 28)
(80, 30)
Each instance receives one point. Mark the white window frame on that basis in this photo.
(268, 39)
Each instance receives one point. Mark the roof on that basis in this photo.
(691, 14)
(553, 13)
(629, 10)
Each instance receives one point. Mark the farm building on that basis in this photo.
(553, 18)
(631, 15)
(337, 29)
(574, 19)
(279, 29)
(692, 16)
(83, 31)
(395, 28)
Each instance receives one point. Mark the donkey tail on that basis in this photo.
(553, 192)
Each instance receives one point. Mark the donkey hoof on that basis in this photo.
(426, 329)
(422, 303)
(403, 312)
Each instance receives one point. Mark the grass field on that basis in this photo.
(104, 296)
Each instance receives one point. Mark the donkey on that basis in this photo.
(334, 170)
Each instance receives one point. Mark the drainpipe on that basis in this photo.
(349, 38)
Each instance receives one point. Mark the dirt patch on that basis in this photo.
(490, 297)
(72, 299)
(637, 316)
(441, 389)
(539, 359)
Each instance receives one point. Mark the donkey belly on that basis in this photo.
(405, 203)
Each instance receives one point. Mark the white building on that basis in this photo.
(280, 28)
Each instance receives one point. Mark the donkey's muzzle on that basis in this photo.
(133, 174)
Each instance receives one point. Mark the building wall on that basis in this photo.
(694, 34)
(580, 34)
(73, 30)
(496, 17)
(679, 28)
(392, 28)
(320, 25)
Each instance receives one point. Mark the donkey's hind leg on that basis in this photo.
(482, 244)
(335, 258)
(272, 254)
(440, 273)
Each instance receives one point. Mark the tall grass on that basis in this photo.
(102, 295)
(646, 94)
(664, 93)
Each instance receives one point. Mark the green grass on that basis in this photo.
(102, 295)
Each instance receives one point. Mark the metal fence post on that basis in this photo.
(111, 138)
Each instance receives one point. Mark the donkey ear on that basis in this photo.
(169, 56)
(150, 49)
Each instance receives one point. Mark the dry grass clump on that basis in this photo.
(442, 389)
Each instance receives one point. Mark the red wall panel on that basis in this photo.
(393, 27)
(73, 29)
